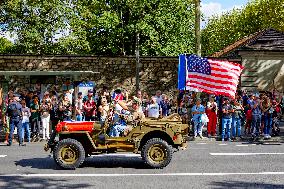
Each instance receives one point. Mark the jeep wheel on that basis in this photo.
(157, 153)
(69, 153)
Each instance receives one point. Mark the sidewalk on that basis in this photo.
(278, 139)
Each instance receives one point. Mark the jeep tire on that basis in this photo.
(157, 153)
(69, 153)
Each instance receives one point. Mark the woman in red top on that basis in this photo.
(90, 108)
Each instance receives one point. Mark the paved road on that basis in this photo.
(204, 165)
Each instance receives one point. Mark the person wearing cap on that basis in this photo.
(79, 107)
(227, 111)
(15, 113)
(197, 111)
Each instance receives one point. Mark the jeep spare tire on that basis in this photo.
(157, 153)
(69, 153)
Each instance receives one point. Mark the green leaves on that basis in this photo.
(232, 26)
(102, 27)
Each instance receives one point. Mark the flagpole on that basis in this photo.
(197, 28)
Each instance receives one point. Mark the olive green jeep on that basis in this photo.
(154, 139)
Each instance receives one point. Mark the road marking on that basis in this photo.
(223, 144)
(253, 144)
(242, 145)
(201, 143)
(1, 156)
(135, 175)
(243, 154)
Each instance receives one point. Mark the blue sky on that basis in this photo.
(212, 7)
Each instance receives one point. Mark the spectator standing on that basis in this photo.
(26, 121)
(237, 119)
(35, 116)
(79, 107)
(267, 116)
(65, 109)
(182, 111)
(256, 116)
(248, 113)
(15, 114)
(153, 109)
(211, 112)
(45, 117)
(145, 102)
(29, 99)
(54, 112)
(197, 111)
(104, 110)
(227, 111)
(165, 106)
(158, 96)
(90, 107)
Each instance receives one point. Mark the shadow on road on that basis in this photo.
(243, 184)
(95, 162)
(114, 162)
(29, 182)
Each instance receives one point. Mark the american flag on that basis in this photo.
(212, 76)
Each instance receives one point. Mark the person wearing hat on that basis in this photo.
(197, 111)
(15, 113)
(227, 111)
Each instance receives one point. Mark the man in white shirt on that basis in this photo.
(153, 109)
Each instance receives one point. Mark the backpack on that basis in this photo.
(14, 111)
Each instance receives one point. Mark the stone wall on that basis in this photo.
(157, 73)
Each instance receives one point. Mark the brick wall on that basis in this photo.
(156, 72)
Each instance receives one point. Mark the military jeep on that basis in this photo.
(154, 139)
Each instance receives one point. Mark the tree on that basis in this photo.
(101, 27)
(238, 23)
(5, 46)
(35, 23)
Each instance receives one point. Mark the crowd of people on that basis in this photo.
(251, 114)
(248, 114)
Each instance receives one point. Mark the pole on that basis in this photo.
(197, 28)
(137, 63)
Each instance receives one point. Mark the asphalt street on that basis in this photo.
(205, 164)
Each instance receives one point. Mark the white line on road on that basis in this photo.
(243, 154)
(1, 156)
(201, 143)
(242, 145)
(223, 144)
(128, 175)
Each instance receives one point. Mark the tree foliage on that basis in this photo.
(5, 45)
(101, 27)
(238, 23)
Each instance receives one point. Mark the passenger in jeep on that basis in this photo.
(125, 117)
